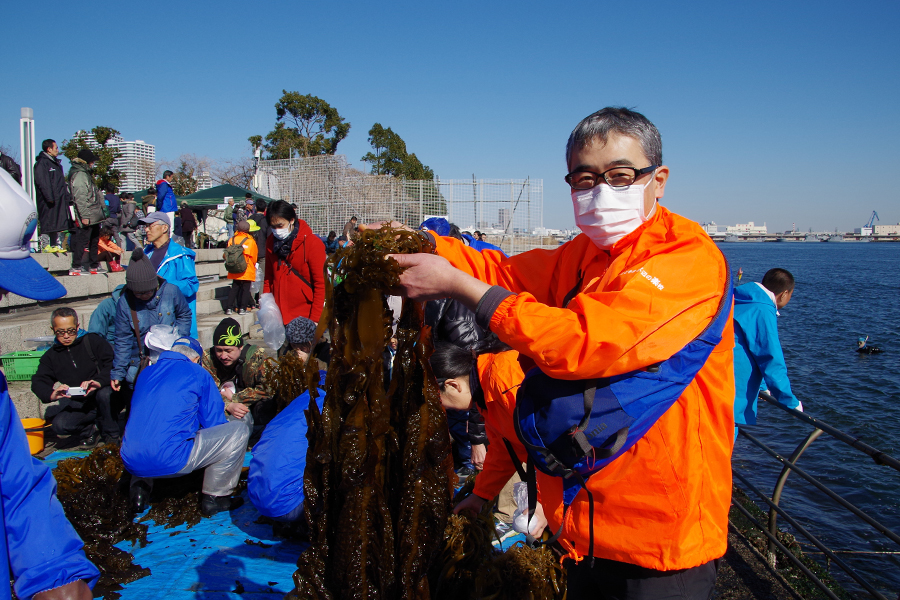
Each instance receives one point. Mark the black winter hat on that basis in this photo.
(87, 156)
(228, 333)
(140, 276)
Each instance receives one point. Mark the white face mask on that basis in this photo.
(607, 214)
(282, 233)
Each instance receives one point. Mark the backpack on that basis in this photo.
(235, 262)
(573, 429)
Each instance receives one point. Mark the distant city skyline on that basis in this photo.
(787, 119)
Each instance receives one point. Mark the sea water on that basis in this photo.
(843, 291)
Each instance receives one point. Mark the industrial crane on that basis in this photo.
(872, 219)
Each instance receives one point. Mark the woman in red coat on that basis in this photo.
(295, 263)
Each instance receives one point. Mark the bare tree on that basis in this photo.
(147, 172)
(188, 169)
(237, 172)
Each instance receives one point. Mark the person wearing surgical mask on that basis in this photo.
(636, 287)
(295, 262)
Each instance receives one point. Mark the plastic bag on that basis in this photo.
(159, 339)
(520, 516)
(257, 283)
(269, 318)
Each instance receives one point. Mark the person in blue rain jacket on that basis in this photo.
(39, 549)
(103, 319)
(173, 262)
(275, 481)
(758, 356)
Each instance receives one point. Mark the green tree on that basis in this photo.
(97, 141)
(391, 158)
(305, 125)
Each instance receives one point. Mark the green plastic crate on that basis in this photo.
(21, 366)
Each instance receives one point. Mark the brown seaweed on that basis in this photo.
(377, 481)
(94, 497)
(285, 378)
(470, 567)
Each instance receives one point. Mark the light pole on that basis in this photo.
(26, 144)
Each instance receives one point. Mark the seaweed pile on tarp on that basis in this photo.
(470, 567)
(94, 497)
(377, 480)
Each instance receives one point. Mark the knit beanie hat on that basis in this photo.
(300, 331)
(243, 226)
(228, 333)
(87, 156)
(140, 276)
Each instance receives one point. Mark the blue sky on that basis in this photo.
(776, 112)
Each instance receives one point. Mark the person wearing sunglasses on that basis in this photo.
(74, 372)
(40, 552)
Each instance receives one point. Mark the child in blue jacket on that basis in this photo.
(757, 350)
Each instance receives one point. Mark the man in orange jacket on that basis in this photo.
(633, 289)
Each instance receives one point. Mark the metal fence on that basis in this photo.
(327, 191)
(839, 557)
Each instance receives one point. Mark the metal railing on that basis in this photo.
(790, 464)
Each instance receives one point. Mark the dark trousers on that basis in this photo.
(238, 295)
(84, 246)
(458, 420)
(613, 580)
(188, 235)
(78, 417)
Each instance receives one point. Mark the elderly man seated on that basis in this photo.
(239, 372)
(177, 426)
(75, 372)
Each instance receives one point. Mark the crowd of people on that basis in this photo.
(617, 304)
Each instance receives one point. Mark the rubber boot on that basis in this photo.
(210, 505)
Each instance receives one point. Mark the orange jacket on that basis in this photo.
(250, 254)
(500, 376)
(664, 503)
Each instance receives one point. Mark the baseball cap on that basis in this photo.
(190, 343)
(248, 201)
(157, 216)
(19, 272)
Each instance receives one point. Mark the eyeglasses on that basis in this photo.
(615, 177)
(65, 332)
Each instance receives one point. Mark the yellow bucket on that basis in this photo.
(35, 438)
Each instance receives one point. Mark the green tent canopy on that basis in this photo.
(212, 197)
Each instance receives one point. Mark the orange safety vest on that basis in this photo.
(580, 312)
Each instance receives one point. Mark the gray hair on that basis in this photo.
(617, 120)
(186, 350)
(63, 312)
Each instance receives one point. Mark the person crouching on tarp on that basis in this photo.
(275, 482)
(177, 426)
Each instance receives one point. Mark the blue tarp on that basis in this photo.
(213, 559)
(218, 556)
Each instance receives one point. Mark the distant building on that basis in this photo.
(746, 229)
(137, 164)
(863, 231)
(713, 230)
(204, 181)
(887, 229)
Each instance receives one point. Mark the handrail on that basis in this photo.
(789, 464)
(880, 458)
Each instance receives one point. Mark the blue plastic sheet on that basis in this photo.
(226, 556)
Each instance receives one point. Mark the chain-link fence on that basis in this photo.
(326, 192)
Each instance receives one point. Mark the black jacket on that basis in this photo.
(10, 166)
(72, 365)
(52, 194)
(260, 236)
(452, 322)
